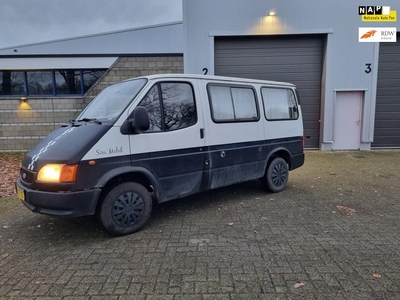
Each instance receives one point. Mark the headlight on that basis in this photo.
(57, 173)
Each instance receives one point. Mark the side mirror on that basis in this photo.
(137, 122)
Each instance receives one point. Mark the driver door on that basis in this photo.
(174, 143)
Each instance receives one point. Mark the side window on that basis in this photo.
(279, 104)
(152, 103)
(230, 104)
(176, 104)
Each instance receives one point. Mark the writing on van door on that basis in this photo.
(115, 150)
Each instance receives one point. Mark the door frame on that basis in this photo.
(336, 116)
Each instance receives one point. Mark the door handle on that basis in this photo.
(202, 133)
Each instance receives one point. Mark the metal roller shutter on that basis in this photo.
(296, 59)
(387, 115)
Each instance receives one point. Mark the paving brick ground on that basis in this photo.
(333, 234)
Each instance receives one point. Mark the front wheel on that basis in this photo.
(276, 176)
(125, 209)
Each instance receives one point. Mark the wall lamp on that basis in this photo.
(271, 13)
(23, 104)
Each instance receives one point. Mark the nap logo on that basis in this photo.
(377, 34)
(377, 14)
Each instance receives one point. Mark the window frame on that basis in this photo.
(81, 83)
(54, 93)
(161, 102)
(28, 83)
(232, 86)
(23, 84)
(294, 92)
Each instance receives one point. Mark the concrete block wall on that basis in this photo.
(130, 67)
(23, 125)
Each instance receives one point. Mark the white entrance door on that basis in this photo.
(348, 120)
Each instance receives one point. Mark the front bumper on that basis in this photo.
(63, 204)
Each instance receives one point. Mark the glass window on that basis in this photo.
(68, 82)
(232, 103)
(45, 82)
(178, 105)
(90, 77)
(221, 103)
(152, 103)
(112, 101)
(40, 82)
(279, 104)
(12, 83)
(244, 103)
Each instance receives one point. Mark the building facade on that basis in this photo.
(349, 90)
(43, 86)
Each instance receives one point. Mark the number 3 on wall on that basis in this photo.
(368, 68)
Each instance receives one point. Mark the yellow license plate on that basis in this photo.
(20, 193)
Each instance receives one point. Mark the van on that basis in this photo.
(163, 137)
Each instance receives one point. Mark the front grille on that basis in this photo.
(26, 176)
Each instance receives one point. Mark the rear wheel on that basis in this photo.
(125, 209)
(276, 176)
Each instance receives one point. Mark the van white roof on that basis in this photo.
(218, 78)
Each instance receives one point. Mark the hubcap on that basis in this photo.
(128, 209)
(279, 175)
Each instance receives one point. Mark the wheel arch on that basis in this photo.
(280, 152)
(133, 174)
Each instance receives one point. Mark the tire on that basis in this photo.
(276, 176)
(125, 209)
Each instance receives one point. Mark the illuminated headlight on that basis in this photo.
(57, 173)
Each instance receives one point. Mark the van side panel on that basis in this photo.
(98, 174)
(233, 163)
(237, 151)
(179, 172)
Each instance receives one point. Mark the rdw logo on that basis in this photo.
(377, 34)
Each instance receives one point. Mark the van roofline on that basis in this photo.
(218, 78)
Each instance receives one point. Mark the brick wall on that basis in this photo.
(23, 125)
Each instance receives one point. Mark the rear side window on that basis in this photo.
(171, 106)
(279, 104)
(232, 104)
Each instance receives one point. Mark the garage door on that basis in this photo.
(387, 116)
(296, 59)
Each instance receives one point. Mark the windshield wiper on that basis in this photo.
(94, 120)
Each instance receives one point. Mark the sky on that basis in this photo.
(32, 21)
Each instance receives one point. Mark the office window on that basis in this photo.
(68, 82)
(89, 78)
(47, 82)
(12, 83)
(39, 82)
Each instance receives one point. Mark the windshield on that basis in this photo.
(112, 101)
